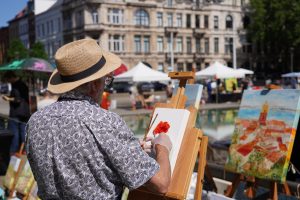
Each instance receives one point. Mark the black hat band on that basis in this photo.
(86, 73)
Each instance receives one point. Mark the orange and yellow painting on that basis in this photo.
(264, 134)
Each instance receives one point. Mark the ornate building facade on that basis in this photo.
(162, 33)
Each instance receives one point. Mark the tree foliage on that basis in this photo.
(275, 27)
(37, 50)
(16, 50)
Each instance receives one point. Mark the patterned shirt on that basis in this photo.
(79, 151)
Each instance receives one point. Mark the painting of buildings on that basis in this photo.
(264, 134)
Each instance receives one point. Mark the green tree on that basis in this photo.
(16, 50)
(275, 29)
(38, 51)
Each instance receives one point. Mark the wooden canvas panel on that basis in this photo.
(177, 120)
(193, 94)
(264, 134)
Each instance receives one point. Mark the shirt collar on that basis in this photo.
(74, 95)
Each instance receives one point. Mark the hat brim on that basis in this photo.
(58, 86)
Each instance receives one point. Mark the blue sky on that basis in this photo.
(9, 8)
(285, 99)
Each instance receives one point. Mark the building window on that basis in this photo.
(180, 67)
(159, 17)
(189, 66)
(228, 45)
(160, 44)
(38, 31)
(116, 43)
(188, 21)
(179, 44)
(169, 45)
(197, 21)
(188, 45)
(170, 19)
(216, 45)
(216, 22)
(170, 3)
(160, 67)
(198, 66)
(206, 21)
(58, 25)
(95, 17)
(43, 30)
(137, 44)
(115, 16)
(48, 28)
(179, 20)
(198, 45)
(79, 18)
(51, 27)
(229, 22)
(67, 21)
(146, 44)
(206, 45)
(141, 18)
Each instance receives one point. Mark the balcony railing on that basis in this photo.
(93, 27)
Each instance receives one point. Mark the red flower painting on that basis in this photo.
(162, 127)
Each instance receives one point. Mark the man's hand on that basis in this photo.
(6, 98)
(163, 140)
(146, 144)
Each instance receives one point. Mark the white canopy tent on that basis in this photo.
(219, 71)
(291, 74)
(245, 71)
(142, 73)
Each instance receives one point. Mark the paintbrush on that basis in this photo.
(150, 125)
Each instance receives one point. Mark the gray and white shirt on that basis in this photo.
(79, 151)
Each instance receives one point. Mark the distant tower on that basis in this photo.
(263, 114)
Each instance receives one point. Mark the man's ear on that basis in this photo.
(93, 86)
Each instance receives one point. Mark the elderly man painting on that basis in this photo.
(79, 151)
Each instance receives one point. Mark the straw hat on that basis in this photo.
(80, 62)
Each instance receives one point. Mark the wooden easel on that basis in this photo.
(193, 144)
(251, 183)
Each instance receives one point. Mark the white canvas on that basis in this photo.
(177, 119)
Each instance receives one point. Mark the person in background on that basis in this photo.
(132, 100)
(19, 112)
(169, 90)
(78, 150)
(105, 103)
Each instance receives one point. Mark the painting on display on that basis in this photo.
(264, 133)
(13, 167)
(172, 122)
(25, 180)
(193, 93)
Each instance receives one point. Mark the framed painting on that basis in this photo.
(172, 122)
(25, 180)
(264, 133)
(10, 176)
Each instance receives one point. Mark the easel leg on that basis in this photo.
(274, 191)
(210, 179)
(286, 188)
(201, 167)
(251, 190)
(231, 189)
